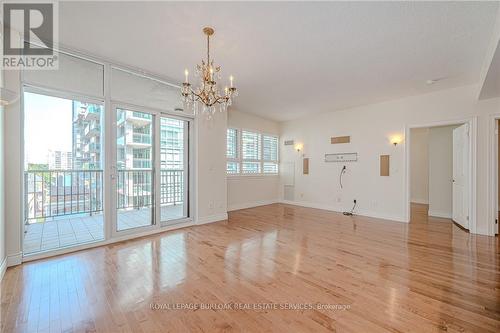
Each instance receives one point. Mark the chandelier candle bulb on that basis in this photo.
(231, 79)
(186, 73)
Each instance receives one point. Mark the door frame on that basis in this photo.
(472, 123)
(156, 223)
(113, 223)
(493, 168)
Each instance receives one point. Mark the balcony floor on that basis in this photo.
(74, 230)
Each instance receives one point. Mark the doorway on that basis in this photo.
(151, 170)
(439, 163)
(63, 171)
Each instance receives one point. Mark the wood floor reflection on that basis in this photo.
(426, 276)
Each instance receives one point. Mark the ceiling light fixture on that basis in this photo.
(207, 94)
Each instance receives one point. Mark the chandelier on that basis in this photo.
(207, 94)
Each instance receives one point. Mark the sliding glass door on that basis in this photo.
(134, 169)
(173, 169)
(150, 170)
(63, 172)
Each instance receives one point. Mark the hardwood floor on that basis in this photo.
(425, 276)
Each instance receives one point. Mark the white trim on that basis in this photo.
(443, 215)
(337, 209)
(472, 122)
(14, 259)
(250, 205)
(492, 159)
(3, 268)
(211, 218)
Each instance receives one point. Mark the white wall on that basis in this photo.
(211, 188)
(419, 161)
(440, 171)
(251, 191)
(370, 127)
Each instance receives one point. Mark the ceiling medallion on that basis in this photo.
(207, 94)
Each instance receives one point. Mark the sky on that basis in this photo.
(47, 126)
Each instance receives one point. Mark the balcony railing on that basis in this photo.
(141, 138)
(55, 193)
(134, 188)
(52, 193)
(141, 115)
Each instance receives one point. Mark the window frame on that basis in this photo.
(239, 154)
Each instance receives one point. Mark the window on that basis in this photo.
(270, 154)
(233, 166)
(250, 152)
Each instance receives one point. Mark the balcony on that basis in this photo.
(93, 112)
(92, 130)
(65, 207)
(139, 140)
(142, 163)
(138, 118)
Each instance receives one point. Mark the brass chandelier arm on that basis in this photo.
(199, 97)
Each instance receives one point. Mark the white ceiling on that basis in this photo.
(296, 58)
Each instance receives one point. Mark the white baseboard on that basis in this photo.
(420, 201)
(250, 205)
(3, 268)
(444, 215)
(211, 218)
(339, 210)
(15, 259)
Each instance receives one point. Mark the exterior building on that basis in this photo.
(86, 136)
(60, 160)
(134, 159)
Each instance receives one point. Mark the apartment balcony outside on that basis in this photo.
(142, 163)
(93, 113)
(138, 118)
(139, 140)
(92, 130)
(65, 207)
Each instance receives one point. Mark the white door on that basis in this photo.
(460, 204)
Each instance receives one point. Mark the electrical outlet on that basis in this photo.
(211, 205)
(339, 199)
(301, 195)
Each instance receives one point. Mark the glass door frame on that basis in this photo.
(157, 225)
(57, 93)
